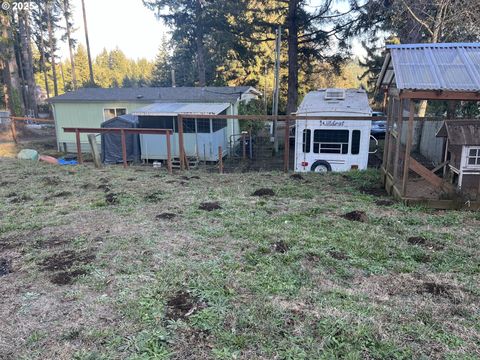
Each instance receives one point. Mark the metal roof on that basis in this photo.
(173, 109)
(158, 94)
(354, 101)
(461, 132)
(447, 66)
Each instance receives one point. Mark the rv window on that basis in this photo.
(307, 140)
(330, 141)
(355, 142)
(189, 126)
(203, 125)
(473, 158)
(218, 124)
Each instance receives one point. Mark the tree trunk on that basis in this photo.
(90, 67)
(27, 57)
(51, 40)
(199, 38)
(292, 38)
(44, 65)
(69, 39)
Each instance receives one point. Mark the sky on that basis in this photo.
(126, 24)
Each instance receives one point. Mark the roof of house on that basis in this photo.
(150, 94)
(321, 101)
(461, 132)
(444, 66)
(173, 109)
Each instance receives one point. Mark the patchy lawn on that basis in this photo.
(137, 264)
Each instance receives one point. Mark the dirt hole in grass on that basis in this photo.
(375, 191)
(264, 192)
(338, 255)
(104, 187)
(435, 289)
(280, 247)
(67, 277)
(88, 186)
(8, 244)
(210, 206)
(297, 177)
(5, 266)
(182, 305)
(20, 199)
(11, 195)
(52, 181)
(54, 241)
(384, 202)
(63, 194)
(131, 179)
(5, 183)
(66, 259)
(111, 198)
(154, 196)
(356, 215)
(419, 240)
(104, 180)
(166, 216)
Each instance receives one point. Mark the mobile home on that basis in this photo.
(333, 145)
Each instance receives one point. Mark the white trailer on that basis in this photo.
(333, 145)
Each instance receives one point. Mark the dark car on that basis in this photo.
(379, 127)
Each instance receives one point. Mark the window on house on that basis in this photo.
(355, 142)
(330, 141)
(113, 112)
(203, 125)
(307, 140)
(218, 124)
(473, 156)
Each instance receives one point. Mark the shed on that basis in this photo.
(463, 152)
(202, 137)
(112, 142)
(410, 74)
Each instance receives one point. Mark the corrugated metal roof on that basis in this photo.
(461, 132)
(449, 67)
(317, 103)
(173, 109)
(158, 94)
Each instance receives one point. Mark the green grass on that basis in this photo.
(342, 289)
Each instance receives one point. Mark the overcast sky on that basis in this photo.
(127, 24)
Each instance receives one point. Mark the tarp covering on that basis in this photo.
(112, 142)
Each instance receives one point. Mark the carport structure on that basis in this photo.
(413, 73)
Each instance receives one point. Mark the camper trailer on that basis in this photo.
(333, 145)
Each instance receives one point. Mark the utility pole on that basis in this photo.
(276, 92)
(90, 67)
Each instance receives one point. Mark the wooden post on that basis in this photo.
(181, 148)
(398, 144)
(220, 160)
(408, 148)
(13, 127)
(124, 149)
(286, 155)
(169, 153)
(79, 147)
(92, 139)
(244, 147)
(387, 136)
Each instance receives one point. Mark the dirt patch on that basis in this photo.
(66, 259)
(384, 202)
(182, 305)
(5, 266)
(436, 289)
(8, 244)
(5, 183)
(210, 206)
(20, 199)
(61, 194)
(154, 197)
(111, 199)
(264, 192)
(104, 180)
(11, 195)
(375, 191)
(297, 177)
(338, 255)
(67, 277)
(419, 240)
(52, 242)
(356, 215)
(51, 181)
(280, 247)
(104, 187)
(166, 216)
(88, 186)
(132, 179)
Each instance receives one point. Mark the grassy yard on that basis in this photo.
(129, 264)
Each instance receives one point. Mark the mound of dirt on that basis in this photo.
(210, 206)
(111, 198)
(264, 192)
(88, 186)
(280, 247)
(297, 177)
(384, 202)
(51, 181)
(356, 215)
(154, 196)
(419, 240)
(338, 255)
(182, 305)
(66, 259)
(20, 199)
(375, 191)
(104, 187)
(166, 216)
(67, 277)
(132, 179)
(104, 180)
(5, 266)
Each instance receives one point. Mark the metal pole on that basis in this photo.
(79, 146)
(124, 149)
(169, 154)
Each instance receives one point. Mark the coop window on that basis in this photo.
(203, 125)
(189, 126)
(218, 124)
(355, 142)
(473, 157)
(113, 112)
(156, 122)
(307, 140)
(330, 141)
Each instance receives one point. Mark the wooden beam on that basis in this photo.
(79, 146)
(440, 95)
(388, 134)
(408, 148)
(92, 139)
(220, 160)
(124, 149)
(398, 114)
(286, 152)
(169, 153)
(181, 149)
